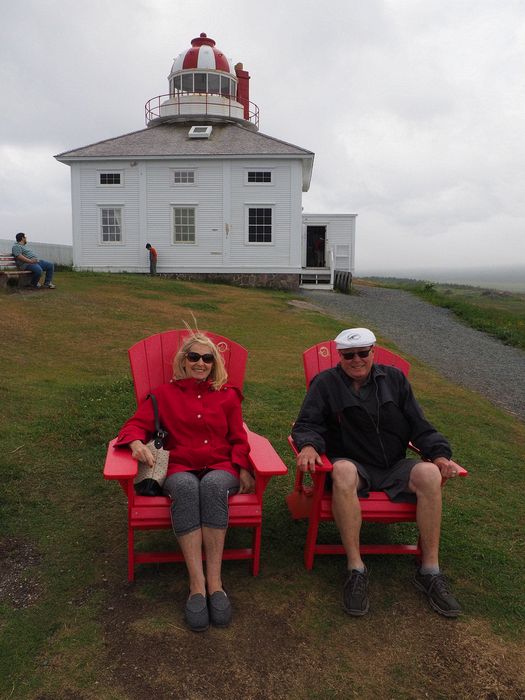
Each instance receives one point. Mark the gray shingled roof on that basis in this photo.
(171, 140)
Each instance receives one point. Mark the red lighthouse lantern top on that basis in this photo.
(204, 85)
(203, 55)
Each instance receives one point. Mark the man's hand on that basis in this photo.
(307, 459)
(447, 468)
(247, 484)
(140, 452)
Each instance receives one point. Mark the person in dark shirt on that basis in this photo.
(362, 416)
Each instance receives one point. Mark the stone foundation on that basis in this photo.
(242, 279)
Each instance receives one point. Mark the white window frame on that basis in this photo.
(179, 205)
(101, 208)
(258, 205)
(183, 170)
(258, 184)
(110, 172)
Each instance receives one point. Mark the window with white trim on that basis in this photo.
(110, 225)
(184, 177)
(260, 224)
(183, 224)
(110, 178)
(259, 177)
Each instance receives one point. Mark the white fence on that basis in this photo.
(54, 252)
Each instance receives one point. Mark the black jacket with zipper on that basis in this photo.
(333, 420)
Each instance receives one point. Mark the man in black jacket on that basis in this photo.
(363, 416)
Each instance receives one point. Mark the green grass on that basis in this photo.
(65, 390)
(499, 313)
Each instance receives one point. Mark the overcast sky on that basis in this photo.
(415, 109)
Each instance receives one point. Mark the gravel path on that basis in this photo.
(432, 334)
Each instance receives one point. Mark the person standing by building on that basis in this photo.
(152, 259)
(25, 259)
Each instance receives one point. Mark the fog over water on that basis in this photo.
(511, 278)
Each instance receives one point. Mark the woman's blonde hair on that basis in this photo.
(218, 375)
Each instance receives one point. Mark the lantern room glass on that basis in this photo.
(210, 83)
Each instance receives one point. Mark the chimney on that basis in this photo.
(243, 88)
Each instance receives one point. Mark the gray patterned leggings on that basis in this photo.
(200, 501)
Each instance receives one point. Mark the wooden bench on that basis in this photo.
(9, 271)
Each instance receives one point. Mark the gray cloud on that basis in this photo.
(415, 110)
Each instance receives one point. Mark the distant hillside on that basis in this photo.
(511, 278)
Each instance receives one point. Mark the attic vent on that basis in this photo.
(200, 132)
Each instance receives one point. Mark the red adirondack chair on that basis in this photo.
(151, 365)
(315, 503)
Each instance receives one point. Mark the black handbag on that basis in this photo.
(149, 480)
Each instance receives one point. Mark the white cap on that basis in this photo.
(354, 338)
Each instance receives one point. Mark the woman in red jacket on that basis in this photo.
(208, 461)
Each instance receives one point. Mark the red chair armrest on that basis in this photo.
(119, 463)
(264, 458)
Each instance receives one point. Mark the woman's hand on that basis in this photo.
(140, 452)
(247, 484)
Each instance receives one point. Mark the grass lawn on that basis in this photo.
(72, 627)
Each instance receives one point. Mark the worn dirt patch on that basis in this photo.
(306, 305)
(153, 654)
(19, 587)
(303, 648)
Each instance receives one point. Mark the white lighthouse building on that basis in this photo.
(218, 199)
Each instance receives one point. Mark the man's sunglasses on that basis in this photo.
(360, 353)
(207, 358)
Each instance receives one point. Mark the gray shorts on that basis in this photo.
(393, 481)
(200, 499)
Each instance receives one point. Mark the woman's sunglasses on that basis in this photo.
(360, 353)
(207, 358)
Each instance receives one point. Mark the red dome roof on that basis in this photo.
(203, 55)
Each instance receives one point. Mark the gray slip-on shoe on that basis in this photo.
(196, 613)
(220, 609)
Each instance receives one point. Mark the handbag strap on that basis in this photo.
(160, 434)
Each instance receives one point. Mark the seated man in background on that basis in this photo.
(25, 259)
(363, 416)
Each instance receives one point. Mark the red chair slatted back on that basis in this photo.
(324, 356)
(151, 360)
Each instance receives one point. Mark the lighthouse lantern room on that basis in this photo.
(204, 84)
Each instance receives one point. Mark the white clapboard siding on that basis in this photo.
(221, 197)
(94, 253)
(284, 203)
(206, 195)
